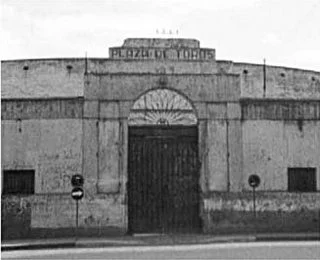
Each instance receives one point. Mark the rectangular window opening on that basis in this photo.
(302, 180)
(18, 182)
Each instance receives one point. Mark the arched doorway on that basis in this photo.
(163, 165)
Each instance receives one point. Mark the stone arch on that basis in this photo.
(162, 106)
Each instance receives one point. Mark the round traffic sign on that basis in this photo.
(77, 180)
(77, 193)
(254, 180)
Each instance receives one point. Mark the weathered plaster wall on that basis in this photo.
(270, 147)
(151, 66)
(263, 137)
(15, 217)
(51, 108)
(51, 137)
(42, 78)
(25, 216)
(94, 211)
(53, 148)
(275, 212)
(90, 154)
(61, 137)
(217, 155)
(109, 147)
(281, 82)
(105, 138)
(65, 77)
(235, 156)
(130, 86)
(224, 146)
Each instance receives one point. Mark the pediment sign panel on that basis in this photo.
(162, 107)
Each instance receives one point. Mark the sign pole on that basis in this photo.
(254, 201)
(254, 182)
(77, 217)
(77, 181)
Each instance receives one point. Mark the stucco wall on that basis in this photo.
(94, 211)
(270, 147)
(130, 86)
(53, 148)
(55, 77)
(61, 137)
(47, 214)
(217, 155)
(42, 78)
(275, 212)
(151, 66)
(281, 82)
(15, 217)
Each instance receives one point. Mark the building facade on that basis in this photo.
(166, 137)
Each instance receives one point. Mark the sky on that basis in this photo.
(284, 32)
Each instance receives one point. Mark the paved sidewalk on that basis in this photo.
(150, 240)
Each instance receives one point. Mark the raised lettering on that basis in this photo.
(202, 54)
(195, 54)
(186, 54)
(114, 53)
(122, 53)
(180, 54)
(210, 54)
(130, 53)
(145, 54)
(158, 54)
(164, 54)
(137, 54)
(151, 54)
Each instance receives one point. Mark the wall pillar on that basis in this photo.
(235, 148)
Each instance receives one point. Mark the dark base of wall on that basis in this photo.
(230, 218)
(62, 233)
(225, 222)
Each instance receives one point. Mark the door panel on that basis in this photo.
(163, 190)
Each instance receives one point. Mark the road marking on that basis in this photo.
(126, 249)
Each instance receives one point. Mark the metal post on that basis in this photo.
(254, 201)
(77, 214)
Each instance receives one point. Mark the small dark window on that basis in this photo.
(302, 179)
(18, 182)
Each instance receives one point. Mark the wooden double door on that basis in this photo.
(163, 180)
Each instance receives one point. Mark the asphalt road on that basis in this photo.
(252, 250)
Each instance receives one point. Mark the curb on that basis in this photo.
(123, 243)
(38, 246)
(291, 238)
(119, 243)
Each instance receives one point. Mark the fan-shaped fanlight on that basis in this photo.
(162, 107)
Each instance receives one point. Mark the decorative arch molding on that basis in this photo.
(162, 107)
